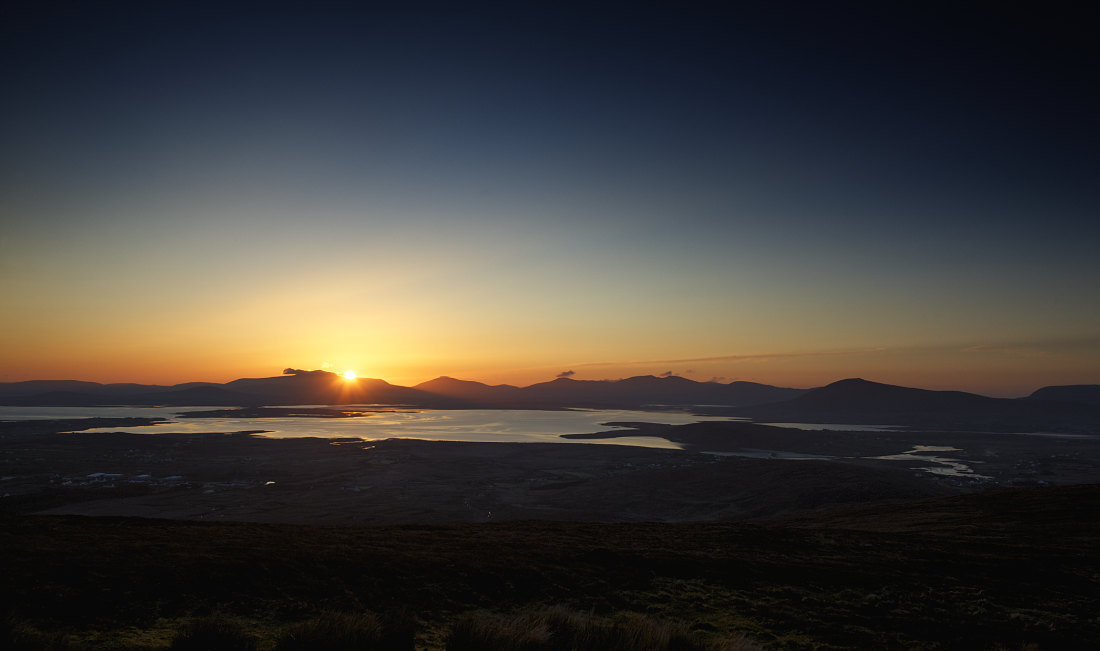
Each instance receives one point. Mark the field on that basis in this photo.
(981, 571)
(269, 538)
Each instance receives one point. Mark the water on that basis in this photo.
(834, 427)
(752, 453)
(477, 425)
(1058, 435)
(944, 466)
(52, 413)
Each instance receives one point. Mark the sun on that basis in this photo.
(349, 375)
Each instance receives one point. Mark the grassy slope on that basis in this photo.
(971, 571)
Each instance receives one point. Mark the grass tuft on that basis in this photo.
(19, 635)
(214, 632)
(559, 629)
(337, 631)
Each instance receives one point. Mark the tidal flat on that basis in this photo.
(53, 467)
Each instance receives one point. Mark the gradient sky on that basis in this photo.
(786, 193)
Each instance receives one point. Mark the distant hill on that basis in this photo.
(32, 387)
(855, 401)
(322, 387)
(299, 388)
(639, 391)
(213, 395)
(1085, 394)
(862, 395)
(473, 392)
(649, 390)
(859, 401)
(60, 399)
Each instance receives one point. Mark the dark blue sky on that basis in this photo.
(762, 179)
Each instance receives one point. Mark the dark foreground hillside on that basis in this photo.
(1008, 569)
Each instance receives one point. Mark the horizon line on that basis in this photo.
(561, 376)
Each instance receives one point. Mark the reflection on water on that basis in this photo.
(478, 425)
(925, 454)
(57, 413)
(752, 453)
(1058, 435)
(834, 427)
(945, 466)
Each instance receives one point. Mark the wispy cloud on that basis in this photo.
(1034, 347)
(1037, 346)
(740, 358)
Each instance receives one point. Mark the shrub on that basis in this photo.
(335, 630)
(559, 629)
(211, 633)
(21, 636)
(482, 631)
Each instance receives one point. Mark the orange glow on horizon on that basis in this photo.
(1006, 370)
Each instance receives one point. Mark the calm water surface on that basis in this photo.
(51, 413)
(480, 425)
(836, 427)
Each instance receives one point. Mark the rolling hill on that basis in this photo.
(859, 401)
(854, 401)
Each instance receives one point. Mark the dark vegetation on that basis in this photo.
(213, 632)
(561, 629)
(360, 630)
(978, 571)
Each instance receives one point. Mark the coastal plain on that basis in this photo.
(792, 539)
(725, 471)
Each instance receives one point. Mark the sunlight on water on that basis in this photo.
(834, 427)
(476, 425)
(53, 413)
(944, 466)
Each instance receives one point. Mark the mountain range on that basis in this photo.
(322, 387)
(858, 401)
(855, 401)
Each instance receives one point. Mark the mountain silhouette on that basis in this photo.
(323, 388)
(1085, 394)
(195, 395)
(649, 390)
(472, 392)
(855, 401)
(859, 401)
(32, 387)
(857, 393)
(633, 392)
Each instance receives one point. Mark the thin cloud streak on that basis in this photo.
(1037, 346)
(1061, 343)
(740, 358)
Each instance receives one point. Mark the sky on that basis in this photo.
(787, 193)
